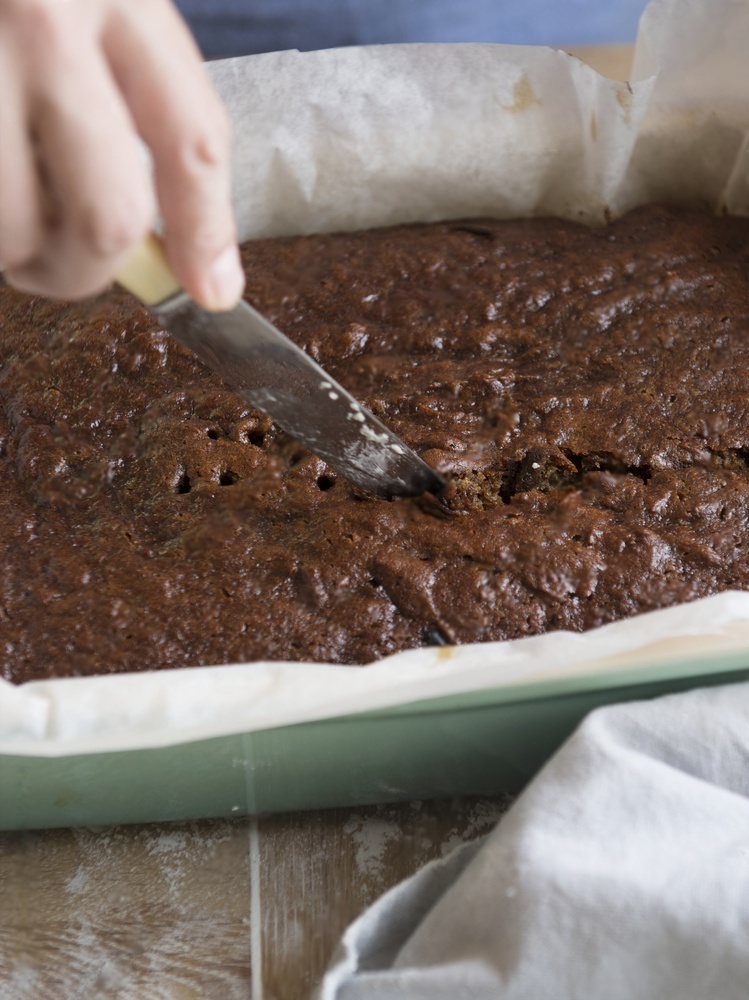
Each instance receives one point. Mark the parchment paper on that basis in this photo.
(372, 136)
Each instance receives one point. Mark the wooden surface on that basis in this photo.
(613, 61)
(213, 910)
(218, 910)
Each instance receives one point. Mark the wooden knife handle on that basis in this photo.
(146, 273)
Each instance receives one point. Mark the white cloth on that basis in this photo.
(621, 873)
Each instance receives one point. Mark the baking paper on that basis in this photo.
(132, 711)
(352, 138)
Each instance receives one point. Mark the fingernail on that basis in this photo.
(224, 281)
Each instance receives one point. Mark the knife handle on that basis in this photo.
(146, 273)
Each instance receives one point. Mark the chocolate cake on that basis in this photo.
(584, 390)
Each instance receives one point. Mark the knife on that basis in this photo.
(279, 378)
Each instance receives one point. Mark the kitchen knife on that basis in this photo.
(279, 378)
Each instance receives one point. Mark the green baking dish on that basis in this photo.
(494, 738)
(475, 743)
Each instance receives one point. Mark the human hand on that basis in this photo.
(80, 80)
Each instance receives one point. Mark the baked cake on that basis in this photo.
(585, 391)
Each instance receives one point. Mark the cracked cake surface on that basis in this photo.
(584, 391)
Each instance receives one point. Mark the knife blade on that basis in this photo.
(275, 375)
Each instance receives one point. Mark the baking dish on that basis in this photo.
(368, 137)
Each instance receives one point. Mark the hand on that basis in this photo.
(80, 80)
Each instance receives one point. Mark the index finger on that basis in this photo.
(185, 124)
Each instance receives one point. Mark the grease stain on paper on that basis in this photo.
(523, 97)
(624, 100)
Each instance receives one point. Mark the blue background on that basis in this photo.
(239, 27)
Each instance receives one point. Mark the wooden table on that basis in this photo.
(214, 910)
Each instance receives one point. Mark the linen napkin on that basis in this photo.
(621, 873)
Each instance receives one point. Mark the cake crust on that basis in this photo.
(584, 390)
